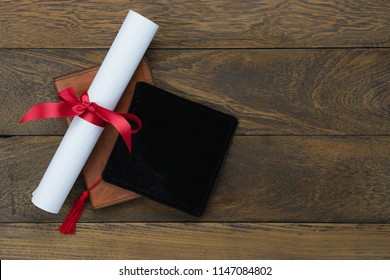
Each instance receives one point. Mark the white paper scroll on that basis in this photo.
(106, 89)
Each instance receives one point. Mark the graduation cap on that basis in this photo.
(178, 153)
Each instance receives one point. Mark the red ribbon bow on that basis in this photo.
(90, 111)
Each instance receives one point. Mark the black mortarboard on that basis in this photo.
(177, 154)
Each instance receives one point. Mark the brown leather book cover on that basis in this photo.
(104, 194)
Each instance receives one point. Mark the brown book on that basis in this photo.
(104, 194)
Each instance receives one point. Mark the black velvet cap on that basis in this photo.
(177, 154)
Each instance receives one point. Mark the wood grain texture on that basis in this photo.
(309, 82)
(205, 24)
(270, 178)
(272, 92)
(196, 241)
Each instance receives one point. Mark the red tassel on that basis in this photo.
(69, 225)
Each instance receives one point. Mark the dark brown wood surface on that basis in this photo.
(308, 173)
(272, 92)
(193, 24)
(268, 178)
(197, 241)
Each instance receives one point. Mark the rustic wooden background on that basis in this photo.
(308, 173)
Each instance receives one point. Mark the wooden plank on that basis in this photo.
(196, 241)
(208, 24)
(272, 92)
(267, 178)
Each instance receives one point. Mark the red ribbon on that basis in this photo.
(72, 106)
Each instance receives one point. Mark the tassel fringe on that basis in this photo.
(69, 225)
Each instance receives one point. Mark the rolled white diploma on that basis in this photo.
(106, 89)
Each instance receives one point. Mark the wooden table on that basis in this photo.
(308, 173)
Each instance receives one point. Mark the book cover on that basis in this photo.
(104, 194)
